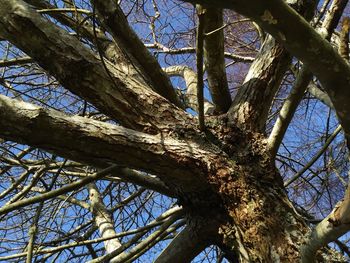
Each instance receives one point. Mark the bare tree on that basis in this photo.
(169, 131)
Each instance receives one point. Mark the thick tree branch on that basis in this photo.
(115, 22)
(115, 93)
(97, 143)
(187, 244)
(109, 49)
(329, 229)
(199, 63)
(344, 39)
(253, 101)
(333, 17)
(103, 219)
(302, 81)
(288, 109)
(248, 101)
(214, 60)
(319, 94)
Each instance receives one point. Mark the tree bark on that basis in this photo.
(224, 174)
(102, 219)
(301, 40)
(113, 92)
(214, 43)
(252, 103)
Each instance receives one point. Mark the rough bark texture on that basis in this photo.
(224, 174)
(300, 39)
(81, 71)
(252, 103)
(113, 18)
(100, 143)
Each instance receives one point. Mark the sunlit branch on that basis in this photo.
(302, 81)
(97, 143)
(102, 218)
(254, 98)
(288, 109)
(332, 227)
(320, 95)
(64, 10)
(167, 234)
(186, 245)
(85, 29)
(15, 62)
(80, 71)
(190, 97)
(155, 223)
(191, 50)
(119, 256)
(132, 176)
(305, 43)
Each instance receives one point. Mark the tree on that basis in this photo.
(113, 145)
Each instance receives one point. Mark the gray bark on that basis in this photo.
(214, 60)
(113, 92)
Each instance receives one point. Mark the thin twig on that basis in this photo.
(199, 55)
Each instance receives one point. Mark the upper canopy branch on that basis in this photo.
(215, 61)
(296, 34)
